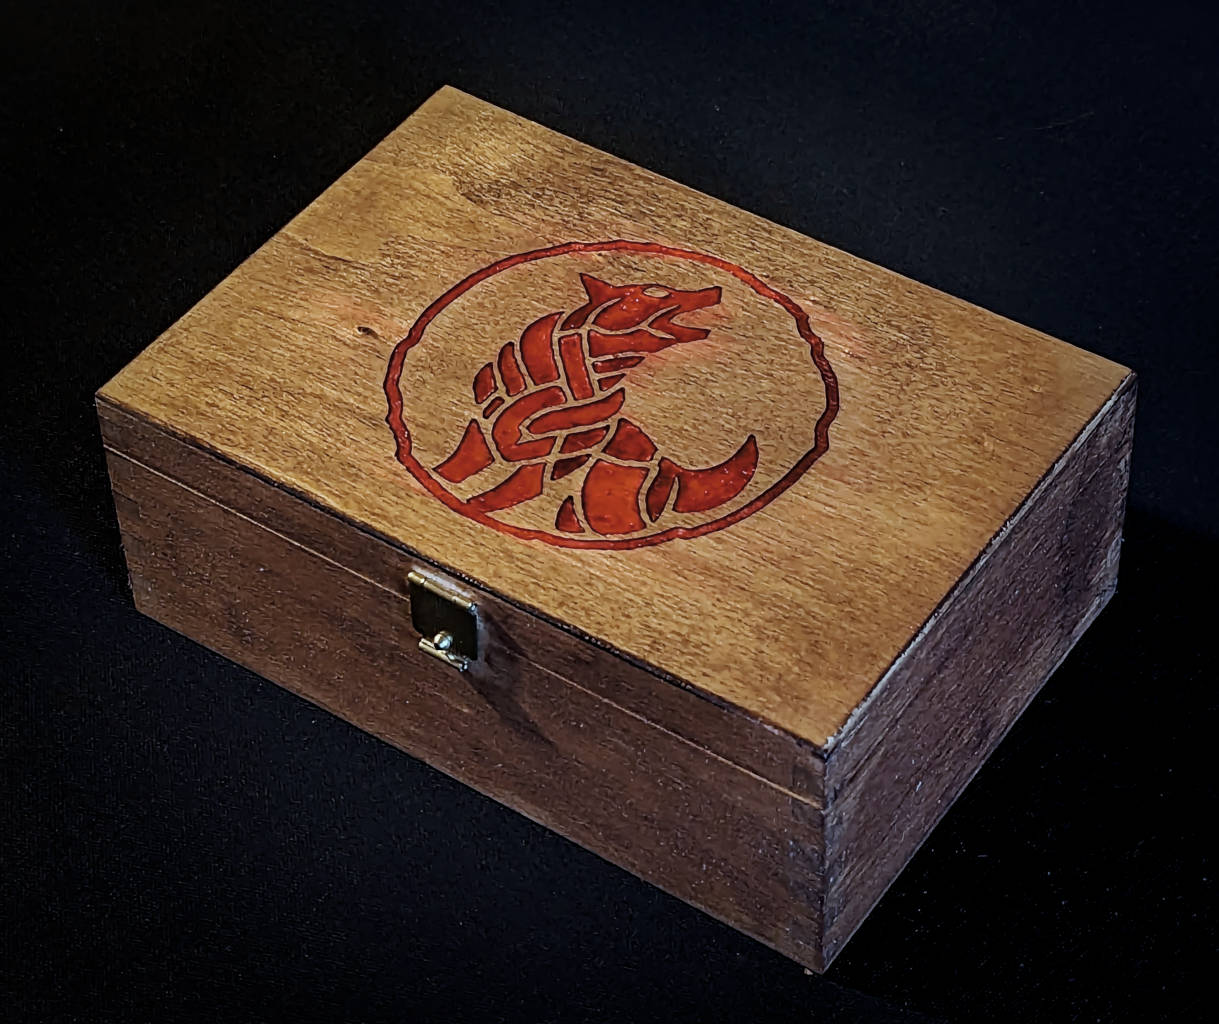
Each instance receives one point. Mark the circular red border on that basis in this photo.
(397, 424)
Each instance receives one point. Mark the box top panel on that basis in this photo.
(742, 457)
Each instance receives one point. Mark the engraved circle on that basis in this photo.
(480, 508)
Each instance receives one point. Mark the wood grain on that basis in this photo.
(694, 824)
(771, 860)
(975, 668)
(725, 731)
(766, 720)
(949, 417)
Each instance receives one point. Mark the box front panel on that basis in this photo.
(518, 634)
(692, 823)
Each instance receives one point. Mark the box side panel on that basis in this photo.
(637, 794)
(976, 667)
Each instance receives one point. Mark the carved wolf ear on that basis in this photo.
(598, 290)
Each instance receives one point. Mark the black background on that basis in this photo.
(181, 839)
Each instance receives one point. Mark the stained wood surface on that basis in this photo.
(725, 732)
(652, 802)
(949, 415)
(951, 699)
(290, 591)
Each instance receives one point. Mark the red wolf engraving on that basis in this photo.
(550, 404)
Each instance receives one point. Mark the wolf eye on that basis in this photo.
(656, 292)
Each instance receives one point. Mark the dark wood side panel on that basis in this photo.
(726, 731)
(975, 669)
(723, 839)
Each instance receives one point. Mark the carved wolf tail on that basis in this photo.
(624, 493)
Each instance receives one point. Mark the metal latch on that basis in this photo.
(446, 621)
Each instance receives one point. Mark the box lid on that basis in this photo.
(725, 450)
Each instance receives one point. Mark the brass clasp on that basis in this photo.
(446, 620)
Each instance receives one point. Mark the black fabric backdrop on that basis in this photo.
(183, 840)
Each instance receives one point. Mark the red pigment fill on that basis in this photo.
(472, 456)
(522, 485)
(507, 430)
(564, 467)
(572, 354)
(579, 415)
(566, 519)
(484, 383)
(658, 493)
(598, 293)
(509, 371)
(629, 442)
(617, 363)
(537, 353)
(611, 497)
(584, 439)
(699, 490)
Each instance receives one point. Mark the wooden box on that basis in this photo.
(721, 552)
